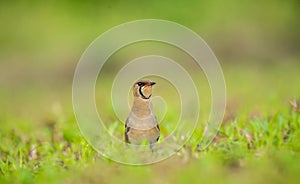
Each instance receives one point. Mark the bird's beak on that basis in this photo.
(152, 83)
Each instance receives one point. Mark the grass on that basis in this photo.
(251, 147)
(255, 150)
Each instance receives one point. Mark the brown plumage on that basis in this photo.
(141, 123)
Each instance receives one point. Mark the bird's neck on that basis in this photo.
(141, 108)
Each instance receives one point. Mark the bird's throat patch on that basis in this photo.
(142, 94)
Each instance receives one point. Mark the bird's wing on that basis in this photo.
(158, 132)
(157, 126)
(127, 128)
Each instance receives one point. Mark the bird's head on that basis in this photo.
(143, 89)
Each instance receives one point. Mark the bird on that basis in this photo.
(141, 124)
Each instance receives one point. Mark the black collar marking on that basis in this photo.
(141, 93)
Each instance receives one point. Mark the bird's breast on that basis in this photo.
(141, 123)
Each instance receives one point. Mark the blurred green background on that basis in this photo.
(41, 42)
(257, 44)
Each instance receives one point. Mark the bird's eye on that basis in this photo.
(140, 84)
